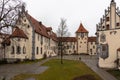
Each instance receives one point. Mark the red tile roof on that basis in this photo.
(91, 39)
(18, 33)
(81, 29)
(54, 36)
(67, 39)
(49, 28)
(38, 26)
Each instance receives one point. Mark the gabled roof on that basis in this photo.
(18, 33)
(54, 36)
(38, 26)
(81, 29)
(67, 39)
(91, 39)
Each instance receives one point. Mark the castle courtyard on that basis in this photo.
(11, 70)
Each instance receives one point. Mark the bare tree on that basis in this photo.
(9, 10)
(9, 13)
(62, 32)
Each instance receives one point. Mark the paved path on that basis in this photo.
(91, 61)
(10, 70)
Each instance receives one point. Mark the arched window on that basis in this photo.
(24, 50)
(37, 50)
(13, 50)
(18, 50)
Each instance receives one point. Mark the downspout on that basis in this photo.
(33, 44)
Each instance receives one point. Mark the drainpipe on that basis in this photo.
(33, 44)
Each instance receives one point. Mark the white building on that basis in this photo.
(81, 44)
(69, 45)
(92, 46)
(82, 40)
(30, 39)
(108, 37)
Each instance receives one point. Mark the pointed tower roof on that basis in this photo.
(18, 33)
(81, 29)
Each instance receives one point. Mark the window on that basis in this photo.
(103, 26)
(67, 46)
(107, 18)
(19, 39)
(117, 24)
(37, 51)
(102, 38)
(24, 20)
(93, 47)
(41, 50)
(82, 35)
(73, 47)
(107, 27)
(91, 50)
(91, 43)
(38, 36)
(24, 50)
(18, 50)
(41, 40)
(13, 50)
(28, 26)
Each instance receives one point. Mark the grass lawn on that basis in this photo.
(56, 71)
(115, 73)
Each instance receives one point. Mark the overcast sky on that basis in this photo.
(75, 12)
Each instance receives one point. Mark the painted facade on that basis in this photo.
(108, 39)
